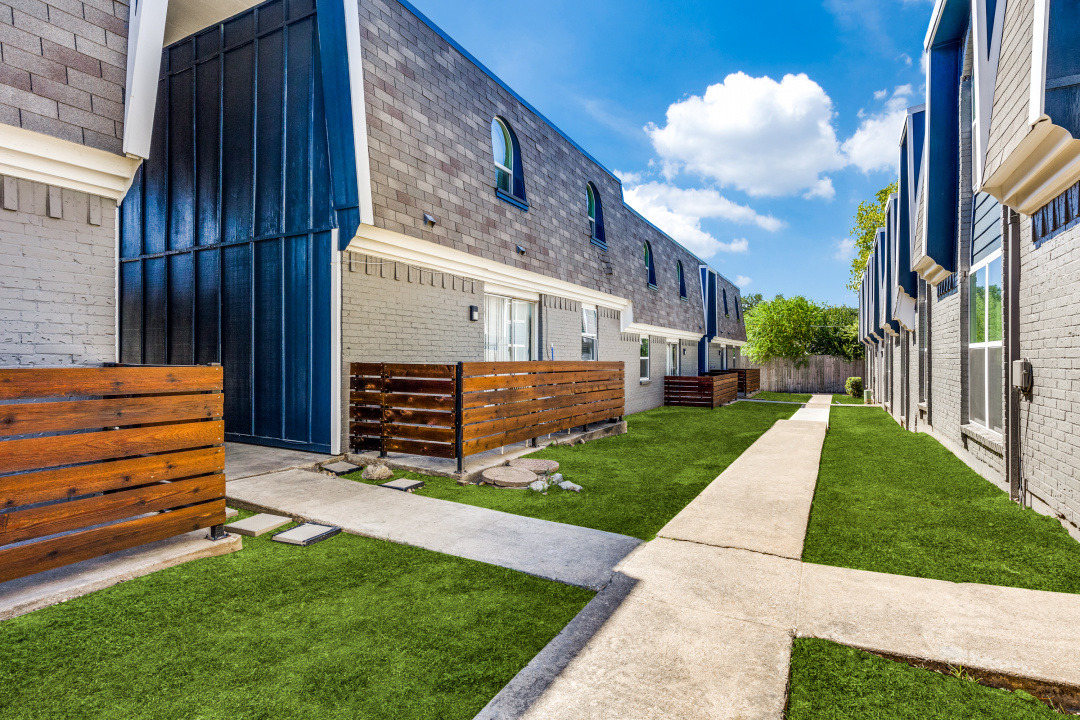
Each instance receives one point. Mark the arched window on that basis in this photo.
(726, 313)
(509, 179)
(650, 269)
(596, 215)
(682, 279)
(737, 317)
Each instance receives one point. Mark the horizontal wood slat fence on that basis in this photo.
(132, 455)
(821, 374)
(452, 411)
(749, 379)
(700, 391)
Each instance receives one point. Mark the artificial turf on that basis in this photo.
(898, 502)
(782, 396)
(633, 483)
(347, 628)
(839, 399)
(834, 682)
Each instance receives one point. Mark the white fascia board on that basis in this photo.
(359, 111)
(1040, 34)
(726, 341)
(42, 158)
(146, 33)
(905, 310)
(660, 331)
(423, 253)
(335, 344)
(986, 67)
(935, 20)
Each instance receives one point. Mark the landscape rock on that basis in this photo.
(557, 478)
(538, 486)
(536, 465)
(377, 472)
(511, 477)
(567, 485)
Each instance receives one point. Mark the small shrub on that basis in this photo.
(854, 387)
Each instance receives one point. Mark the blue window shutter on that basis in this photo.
(519, 172)
(600, 237)
(942, 182)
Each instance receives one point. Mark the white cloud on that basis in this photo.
(764, 137)
(698, 203)
(629, 178)
(742, 281)
(881, 94)
(844, 250)
(875, 145)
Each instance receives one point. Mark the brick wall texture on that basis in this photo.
(429, 111)
(57, 276)
(63, 68)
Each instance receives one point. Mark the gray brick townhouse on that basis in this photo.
(968, 302)
(287, 187)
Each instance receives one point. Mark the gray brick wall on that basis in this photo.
(1049, 338)
(688, 362)
(1009, 124)
(429, 111)
(63, 69)
(57, 277)
(392, 312)
(560, 321)
(642, 395)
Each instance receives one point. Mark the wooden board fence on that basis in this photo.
(749, 379)
(820, 374)
(104, 459)
(701, 390)
(452, 411)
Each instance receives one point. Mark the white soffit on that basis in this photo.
(187, 17)
(34, 156)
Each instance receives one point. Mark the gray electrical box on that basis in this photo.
(1021, 375)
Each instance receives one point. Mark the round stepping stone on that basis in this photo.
(536, 465)
(510, 477)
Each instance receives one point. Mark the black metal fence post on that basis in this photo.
(459, 430)
(382, 409)
(217, 532)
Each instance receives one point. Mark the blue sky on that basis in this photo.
(749, 131)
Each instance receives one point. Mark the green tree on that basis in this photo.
(749, 302)
(868, 218)
(795, 328)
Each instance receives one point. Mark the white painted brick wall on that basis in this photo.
(57, 277)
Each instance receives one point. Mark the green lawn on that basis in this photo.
(893, 501)
(634, 483)
(783, 397)
(847, 400)
(348, 628)
(833, 682)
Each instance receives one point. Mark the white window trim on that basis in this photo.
(535, 350)
(595, 335)
(987, 345)
(669, 369)
(509, 151)
(647, 377)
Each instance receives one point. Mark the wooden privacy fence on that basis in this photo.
(749, 379)
(700, 390)
(452, 411)
(104, 459)
(821, 374)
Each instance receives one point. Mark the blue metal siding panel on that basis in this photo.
(943, 178)
(241, 154)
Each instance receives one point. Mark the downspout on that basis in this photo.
(1010, 234)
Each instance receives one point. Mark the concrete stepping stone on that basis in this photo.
(340, 467)
(509, 477)
(306, 534)
(404, 484)
(230, 513)
(536, 465)
(257, 525)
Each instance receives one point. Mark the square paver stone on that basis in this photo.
(306, 534)
(230, 513)
(257, 525)
(404, 484)
(340, 467)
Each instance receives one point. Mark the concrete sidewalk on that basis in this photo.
(700, 622)
(565, 553)
(759, 502)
